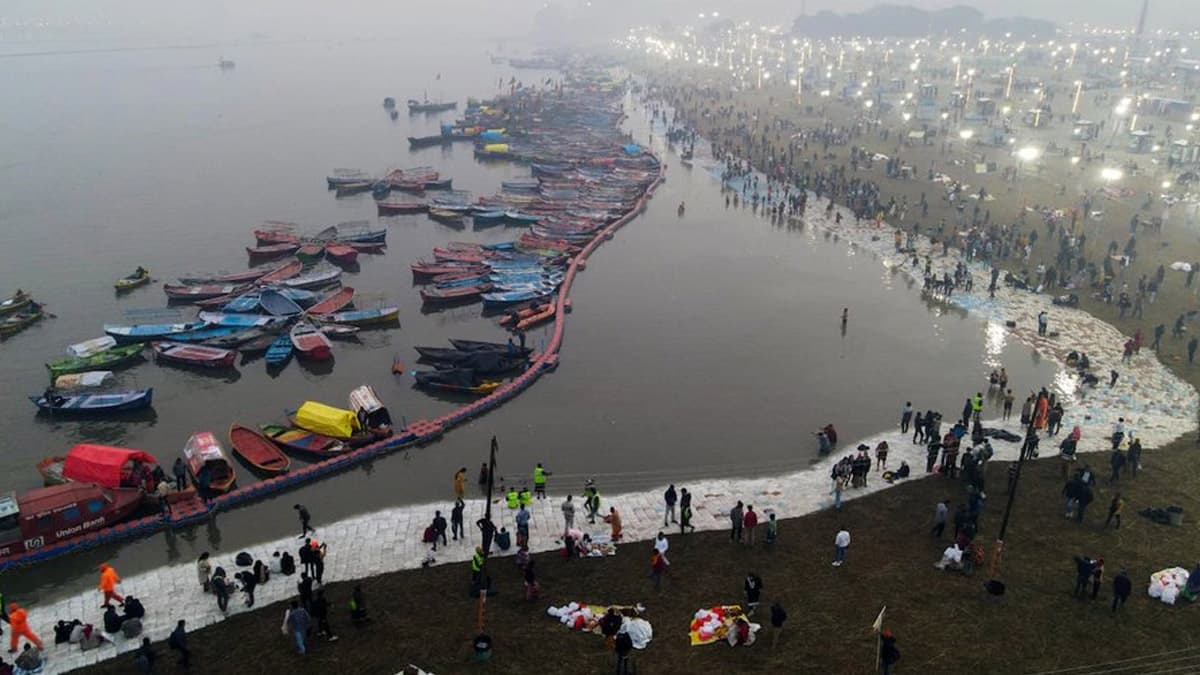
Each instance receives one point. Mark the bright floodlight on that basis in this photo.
(1110, 174)
(1074, 160)
(1028, 153)
(1166, 184)
(966, 134)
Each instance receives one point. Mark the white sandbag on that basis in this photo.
(639, 630)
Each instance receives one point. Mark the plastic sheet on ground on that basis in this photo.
(584, 617)
(1166, 585)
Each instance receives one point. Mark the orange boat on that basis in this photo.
(257, 450)
(334, 302)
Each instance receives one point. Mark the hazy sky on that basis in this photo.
(451, 19)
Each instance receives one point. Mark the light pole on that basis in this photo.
(1008, 88)
(1078, 91)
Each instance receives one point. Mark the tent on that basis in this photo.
(327, 420)
(102, 464)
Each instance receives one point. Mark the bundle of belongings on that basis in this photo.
(1172, 515)
(591, 618)
(579, 544)
(1168, 584)
(724, 622)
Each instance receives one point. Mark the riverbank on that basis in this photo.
(944, 622)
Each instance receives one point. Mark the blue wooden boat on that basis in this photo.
(366, 237)
(243, 304)
(207, 333)
(490, 216)
(121, 401)
(145, 332)
(278, 304)
(465, 281)
(280, 350)
(501, 246)
(239, 320)
(509, 297)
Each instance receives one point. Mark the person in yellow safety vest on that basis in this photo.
(511, 499)
(977, 405)
(539, 481)
(526, 497)
(477, 563)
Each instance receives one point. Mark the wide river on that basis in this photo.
(707, 345)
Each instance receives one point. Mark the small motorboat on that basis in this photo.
(120, 401)
(41, 518)
(478, 345)
(21, 319)
(462, 381)
(257, 450)
(193, 355)
(109, 358)
(203, 451)
(16, 301)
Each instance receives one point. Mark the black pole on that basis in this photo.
(1030, 431)
(491, 483)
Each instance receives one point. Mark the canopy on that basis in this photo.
(101, 463)
(326, 420)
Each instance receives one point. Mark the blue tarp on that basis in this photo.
(633, 149)
(492, 136)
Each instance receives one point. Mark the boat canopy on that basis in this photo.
(102, 464)
(327, 420)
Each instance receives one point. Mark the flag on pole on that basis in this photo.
(878, 625)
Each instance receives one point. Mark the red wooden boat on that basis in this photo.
(203, 292)
(276, 233)
(257, 450)
(334, 302)
(311, 343)
(459, 276)
(311, 253)
(341, 253)
(45, 516)
(248, 276)
(194, 355)
(283, 272)
(272, 250)
(432, 295)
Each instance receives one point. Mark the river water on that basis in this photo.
(707, 345)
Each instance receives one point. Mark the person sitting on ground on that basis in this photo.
(287, 564)
(504, 539)
(740, 633)
(133, 608)
(90, 638)
(951, 558)
(30, 660)
(262, 573)
(112, 620)
(1192, 589)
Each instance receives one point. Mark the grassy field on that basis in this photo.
(944, 622)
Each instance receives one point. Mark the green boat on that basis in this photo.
(104, 360)
(19, 321)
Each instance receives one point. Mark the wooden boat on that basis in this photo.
(337, 331)
(363, 317)
(145, 332)
(121, 401)
(310, 253)
(349, 189)
(500, 298)
(139, 278)
(415, 106)
(477, 345)
(272, 250)
(447, 216)
(314, 278)
(17, 301)
(358, 235)
(300, 441)
(238, 338)
(284, 272)
(400, 207)
(454, 293)
(21, 319)
(334, 302)
(240, 320)
(458, 381)
(427, 270)
(103, 465)
(341, 253)
(193, 355)
(346, 177)
(242, 304)
(203, 451)
(277, 303)
(280, 351)
(415, 142)
(46, 516)
(89, 379)
(438, 184)
(202, 292)
(460, 279)
(481, 363)
(109, 358)
(234, 278)
(257, 450)
(367, 246)
(259, 344)
(310, 342)
(207, 333)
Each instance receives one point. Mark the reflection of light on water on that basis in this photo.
(993, 346)
(1066, 383)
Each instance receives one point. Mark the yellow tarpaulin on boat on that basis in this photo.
(496, 147)
(327, 420)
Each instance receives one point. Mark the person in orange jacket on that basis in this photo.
(18, 620)
(108, 585)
